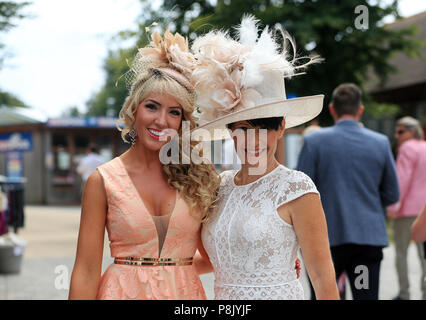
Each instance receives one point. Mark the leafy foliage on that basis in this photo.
(10, 12)
(324, 28)
(10, 100)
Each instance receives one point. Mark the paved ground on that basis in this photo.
(51, 234)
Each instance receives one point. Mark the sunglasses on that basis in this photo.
(399, 132)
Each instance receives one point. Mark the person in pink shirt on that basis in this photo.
(411, 168)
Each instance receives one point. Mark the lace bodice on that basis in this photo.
(253, 250)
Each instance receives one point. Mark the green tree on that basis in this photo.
(72, 111)
(10, 12)
(10, 100)
(325, 28)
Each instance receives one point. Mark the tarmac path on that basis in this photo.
(51, 234)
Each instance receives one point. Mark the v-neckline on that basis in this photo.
(151, 217)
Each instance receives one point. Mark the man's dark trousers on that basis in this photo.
(362, 266)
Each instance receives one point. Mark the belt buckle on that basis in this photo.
(154, 261)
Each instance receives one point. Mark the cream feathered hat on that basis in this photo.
(243, 80)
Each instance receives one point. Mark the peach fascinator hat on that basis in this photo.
(244, 80)
(168, 55)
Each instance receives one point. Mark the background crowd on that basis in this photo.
(354, 170)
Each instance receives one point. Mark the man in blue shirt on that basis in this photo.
(354, 171)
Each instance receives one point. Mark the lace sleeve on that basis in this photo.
(227, 174)
(295, 185)
(226, 177)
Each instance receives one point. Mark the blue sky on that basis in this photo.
(56, 57)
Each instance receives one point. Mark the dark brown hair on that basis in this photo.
(273, 123)
(346, 99)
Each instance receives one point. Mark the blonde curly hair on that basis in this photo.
(197, 183)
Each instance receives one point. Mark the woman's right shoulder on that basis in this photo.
(227, 173)
(111, 164)
(226, 177)
(95, 178)
(95, 181)
(110, 169)
(105, 171)
(94, 189)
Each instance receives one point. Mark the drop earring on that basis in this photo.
(133, 135)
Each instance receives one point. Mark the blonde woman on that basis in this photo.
(152, 211)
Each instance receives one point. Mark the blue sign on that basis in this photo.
(17, 141)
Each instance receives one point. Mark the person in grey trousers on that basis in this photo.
(354, 171)
(411, 168)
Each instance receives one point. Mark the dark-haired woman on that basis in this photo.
(262, 220)
(265, 212)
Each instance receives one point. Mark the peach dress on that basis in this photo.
(132, 232)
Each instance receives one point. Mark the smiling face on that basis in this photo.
(254, 144)
(157, 115)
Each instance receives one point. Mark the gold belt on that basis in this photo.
(133, 261)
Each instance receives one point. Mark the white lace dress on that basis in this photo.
(252, 249)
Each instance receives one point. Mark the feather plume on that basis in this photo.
(228, 71)
(247, 31)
